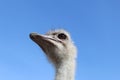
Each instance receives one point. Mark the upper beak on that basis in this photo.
(35, 36)
(43, 40)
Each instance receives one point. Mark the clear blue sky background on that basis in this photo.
(93, 24)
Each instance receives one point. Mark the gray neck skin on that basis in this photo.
(65, 70)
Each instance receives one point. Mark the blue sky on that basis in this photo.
(93, 24)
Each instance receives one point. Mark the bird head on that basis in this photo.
(56, 44)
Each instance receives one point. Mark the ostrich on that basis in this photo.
(60, 50)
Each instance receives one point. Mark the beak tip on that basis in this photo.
(31, 35)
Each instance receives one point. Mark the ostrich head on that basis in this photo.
(56, 44)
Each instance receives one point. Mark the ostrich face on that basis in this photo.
(56, 44)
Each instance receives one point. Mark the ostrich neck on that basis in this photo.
(65, 70)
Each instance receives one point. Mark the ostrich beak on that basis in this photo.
(44, 41)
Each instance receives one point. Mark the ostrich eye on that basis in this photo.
(62, 36)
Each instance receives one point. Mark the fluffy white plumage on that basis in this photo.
(59, 48)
